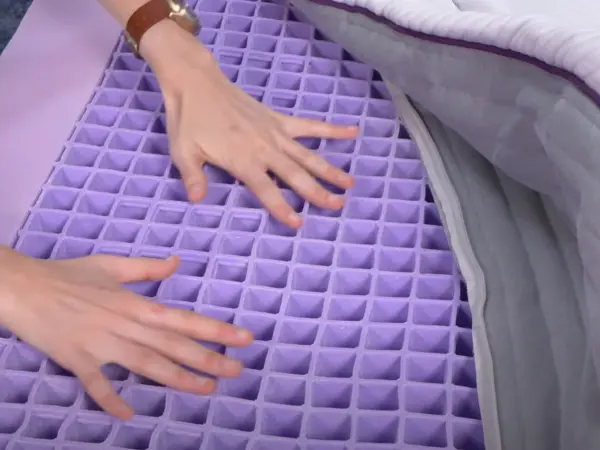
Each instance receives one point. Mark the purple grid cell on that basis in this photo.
(378, 429)
(146, 101)
(262, 327)
(350, 309)
(318, 103)
(341, 336)
(133, 436)
(384, 338)
(432, 313)
(358, 208)
(465, 404)
(225, 440)
(279, 249)
(70, 177)
(121, 80)
(37, 246)
(152, 165)
(81, 156)
(329, 426)
(315, 253)
(425, 432)
(23, 358)
(101, 116)
(463, 372)
(145, 401)
(116, 160)
(57, 392)
(204, 217)
(282, 422)
(391, 260)
(429, 340)
(291, 360)
(187, 408)
(197, 240)
(284, 390)
(110, 97)
(180, 289)
(359, 232)
(47, 222)
(467, 435)
(263, 300)
(179, 439)
(401, 236)
(270, 274)
(298, 332)
(237, 245)
(310, 279)
(320, 229)
(241, 8)
(393, 285)
(244, 221)
(304, 305)
(425, 399)
(58, 198)
(356, 257)
(437, 262)
(334, 394)
(88, 227)
(367, 187)
(253, 357)
(380, 366)
(436, 287)
(125, 140)
(378, 397)
(88, 430)
(322, 66)
(375, 147)
(234, 415)
(15, 388)
(352, 282)
(426, 369)
(223, 294)
(126, 232)
(43, 425)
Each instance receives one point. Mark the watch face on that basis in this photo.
(184, 16)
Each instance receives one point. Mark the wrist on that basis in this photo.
(166, 44)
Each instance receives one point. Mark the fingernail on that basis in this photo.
(336, 198)
(295, 218)
(232, 365)
(244, 335)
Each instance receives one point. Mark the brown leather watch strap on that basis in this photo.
(145, 18)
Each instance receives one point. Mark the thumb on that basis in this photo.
(131, 270)
(192, 174)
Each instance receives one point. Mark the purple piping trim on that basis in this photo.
(512, 54)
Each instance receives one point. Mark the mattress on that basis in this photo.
(503, 104)
(452, 303)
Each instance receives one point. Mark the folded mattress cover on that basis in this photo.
(503, 99)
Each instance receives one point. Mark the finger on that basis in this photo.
(102, 392)
(318, 166)
(191, 168)
(130, 270)
(270, 196)
(305, 185)
(182, 350)
(152, 365)
(178, 320)
(300, 127)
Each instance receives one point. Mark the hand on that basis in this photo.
(210, 120)
(76, 312)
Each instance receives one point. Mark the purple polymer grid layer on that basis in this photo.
(362, 328)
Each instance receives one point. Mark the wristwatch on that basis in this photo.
(155, 11)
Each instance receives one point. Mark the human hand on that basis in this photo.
(210, 120)
(77, 313)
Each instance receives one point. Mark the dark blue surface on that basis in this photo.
(11, 13)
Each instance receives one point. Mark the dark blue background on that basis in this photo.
(11, 12)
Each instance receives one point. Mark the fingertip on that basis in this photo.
(244, 337)
(196, 192)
